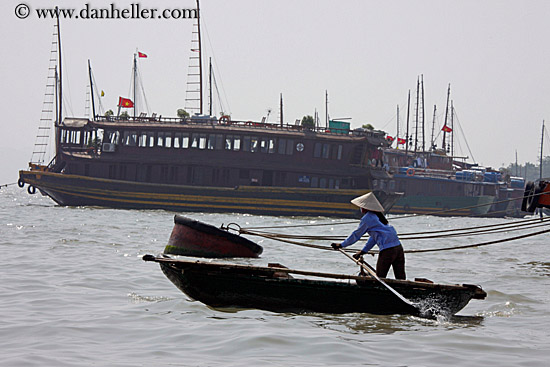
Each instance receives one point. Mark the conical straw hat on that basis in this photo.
(369, 202)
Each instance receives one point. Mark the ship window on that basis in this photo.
(271, 148)
(168, 140)
(185, 140)
(112, 137)
(228, 142)
(142, 141)
(112, 171)
(177, 140)
(317, 150)
(330, 183)
(246, 144)
(151, 139)
(282, 146)
(392, 185)
(194, 140)
(202, 141)
(264, 145)
(289, 146)
(337, 184)
(315, 181)
(211, 141)
(339, 156)
(254, 144)
(160, 139)
(219, 141)
(323, 183)
(326, 151)
(130, 138)
(237, 143)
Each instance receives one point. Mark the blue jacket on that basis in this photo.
(380, 234)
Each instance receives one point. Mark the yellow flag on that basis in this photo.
(102, 93)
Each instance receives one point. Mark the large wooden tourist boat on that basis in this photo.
(275, 288)
(204, 163)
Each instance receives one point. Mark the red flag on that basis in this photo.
(141, 54)
(125, 102)
(401, 141)
(446, 129)
(390, 138)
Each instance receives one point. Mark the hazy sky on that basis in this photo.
(367, 54)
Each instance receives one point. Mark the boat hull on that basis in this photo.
(76, 190)
(444, 205)
(193, 238)
(222, 285)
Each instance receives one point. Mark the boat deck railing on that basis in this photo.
(207, 120)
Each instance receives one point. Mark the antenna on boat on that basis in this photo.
(91, 89)
(326, 110)
(281, 110)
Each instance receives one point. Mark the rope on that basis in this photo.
(9, 184)
(372, 252)
(407, 215)
(429, 234)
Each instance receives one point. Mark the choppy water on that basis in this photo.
(75, 292)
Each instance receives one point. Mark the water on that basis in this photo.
(75, 292)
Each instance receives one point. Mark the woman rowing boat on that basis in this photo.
(381, 234)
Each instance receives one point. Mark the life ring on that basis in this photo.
(21, 183)
(31, 190)
(410, 171)
(225, 119)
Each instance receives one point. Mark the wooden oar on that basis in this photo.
(373, 274)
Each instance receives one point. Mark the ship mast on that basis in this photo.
(200, 54)
(407, 136)
(60, 94)
(91, 89)
(541, 145)
(446, 116)
(135, 81)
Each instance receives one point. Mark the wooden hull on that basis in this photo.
(76, 190)
(193, 238)
(268, 288)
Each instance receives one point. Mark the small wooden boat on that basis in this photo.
(193, 238)
(273, 288)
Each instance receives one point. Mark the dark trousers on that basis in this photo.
(393, 256)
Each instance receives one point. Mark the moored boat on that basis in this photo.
(193, 238)
(200, 162)
(274, 288)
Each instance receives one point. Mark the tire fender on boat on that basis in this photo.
(533, 201)
(31, 190)
(529, 186)
(410, 171)
(21, 183)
